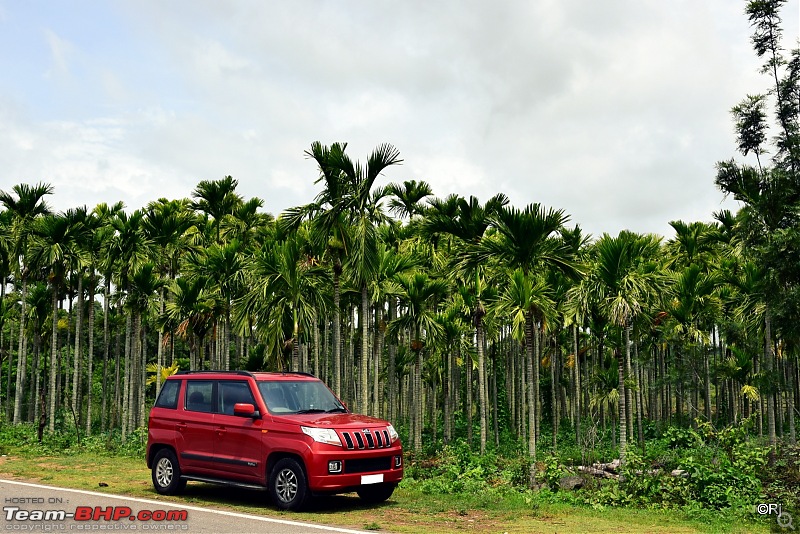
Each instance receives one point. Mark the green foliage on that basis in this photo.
(456, 469)
(715, 470)
(22, 438)
(681, 438)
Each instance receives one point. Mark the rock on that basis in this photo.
(571, 483)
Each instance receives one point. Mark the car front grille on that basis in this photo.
(365, 439)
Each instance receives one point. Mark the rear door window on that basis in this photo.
(168, 398)
(199, 395)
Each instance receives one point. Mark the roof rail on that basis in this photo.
(298, 373)
(242, 373)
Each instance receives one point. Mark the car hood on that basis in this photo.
(333, 420)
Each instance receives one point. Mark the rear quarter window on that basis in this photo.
(168, 398)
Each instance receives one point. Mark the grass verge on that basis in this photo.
(410, 510)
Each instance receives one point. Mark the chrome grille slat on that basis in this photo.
(348, 440)
(366, 439)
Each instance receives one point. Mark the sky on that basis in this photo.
(614, 111)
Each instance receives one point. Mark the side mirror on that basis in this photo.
(243, 409)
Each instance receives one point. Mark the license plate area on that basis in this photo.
(372, 479)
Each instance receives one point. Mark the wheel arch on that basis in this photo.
(277, 456)
(155, 448)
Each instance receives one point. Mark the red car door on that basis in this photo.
(238, 438)
(197, 428)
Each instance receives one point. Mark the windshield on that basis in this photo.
(303, 396)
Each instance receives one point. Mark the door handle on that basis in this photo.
(181, 427)
(221, 431)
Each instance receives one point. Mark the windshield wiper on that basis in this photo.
(340, 409)
(312, 410)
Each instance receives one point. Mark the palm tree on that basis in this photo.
(529, 240)
(407, 198)
(25, 208)
(103, 241)
(79, 218)
(352, 203)
(526, 299)
(191, 306)
(166, 224)
(363, 205)
(39, 305)
(694, 303)
(420, 294)
(216, 198)
(467, 221)
(285, 284)
(144, 285)
(329, 229)
(224, 265)
(622, 285)
(54, 246)
(391, 263)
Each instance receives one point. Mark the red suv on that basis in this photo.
(286, 432)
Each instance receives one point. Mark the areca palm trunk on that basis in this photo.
(468, 399)
(418, 397)
(531, 395)
(364, 364)
(126, 378)
(106, 350)
(447, 393)
(623, 423)
(553, 397)
(51, 419)
(628, 392)
(537, 358)
(376, 358)
(768, 357)
(576, 369)
(76, 368)
(160, 349)
(296, 343)
(482, 396)
(390, 373)
(337, 330)
(22, 363)
(141, 375)
(90, 366)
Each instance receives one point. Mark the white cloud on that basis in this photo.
(614, 111)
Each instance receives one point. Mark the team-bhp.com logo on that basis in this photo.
(96, 513)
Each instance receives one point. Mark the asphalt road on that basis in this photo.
(37, 508)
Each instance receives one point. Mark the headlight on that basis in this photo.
(323, 435)
(392, 433)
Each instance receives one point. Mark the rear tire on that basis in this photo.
(377, 493)
(167, 473)
(287, 485)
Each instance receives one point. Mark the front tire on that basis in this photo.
(287, 485)
(167, 473)
(377, 493)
